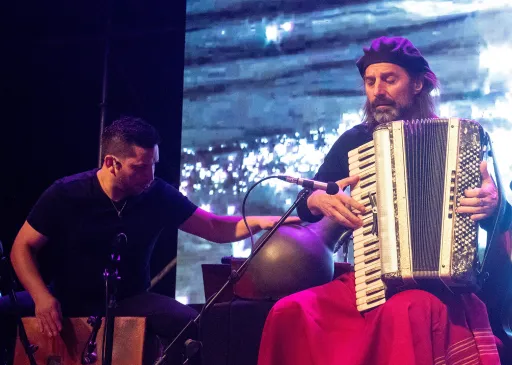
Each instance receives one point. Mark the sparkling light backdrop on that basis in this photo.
(268, 89)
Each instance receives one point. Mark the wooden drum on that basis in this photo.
(132, 344)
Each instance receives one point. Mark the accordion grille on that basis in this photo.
(425, 158)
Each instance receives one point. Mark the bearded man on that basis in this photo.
(322, 325)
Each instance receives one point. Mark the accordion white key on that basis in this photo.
(412, 175)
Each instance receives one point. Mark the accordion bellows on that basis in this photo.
(412, 176)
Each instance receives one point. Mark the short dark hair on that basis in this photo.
(118, 138)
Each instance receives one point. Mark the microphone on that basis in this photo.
(330, 188)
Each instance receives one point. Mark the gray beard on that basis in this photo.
(385, 116)
(422, 106)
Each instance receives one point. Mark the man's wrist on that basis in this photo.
(40, 294)
(311, 204)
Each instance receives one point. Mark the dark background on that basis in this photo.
(51, 82)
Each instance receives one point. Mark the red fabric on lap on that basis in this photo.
(321, 325)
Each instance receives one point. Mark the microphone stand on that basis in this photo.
(191, 346)
(89, 353)
(28, 347)
(111, 276)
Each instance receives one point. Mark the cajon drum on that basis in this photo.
(132, 344)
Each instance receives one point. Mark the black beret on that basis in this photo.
(397, 50)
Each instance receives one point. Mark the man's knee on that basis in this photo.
(6, 306)
(165, 316)
(162, 304)
(413, 300)
(294, 303)
(23, 307)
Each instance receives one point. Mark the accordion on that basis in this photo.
(412, 175)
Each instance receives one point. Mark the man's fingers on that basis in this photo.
(40, 325)
(293, 219)
(45, 327)
(474, 193)
(470, 210)
(355, 220)
(57, 319)
(473, 202)
(478, 217)
(346, 199)
(334, 206)
(351, 180)
(354, 184)
(484, 171)
(342, 220)
(354, 204)
(52, 326)
(345, 212)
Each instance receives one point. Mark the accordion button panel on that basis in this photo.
(370, 290)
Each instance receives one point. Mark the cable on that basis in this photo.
(251, 236)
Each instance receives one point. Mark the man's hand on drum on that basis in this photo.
(340, 207)
(480, 202)
(48, 314)
(268, 222)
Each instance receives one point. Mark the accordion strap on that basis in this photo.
(501, 203)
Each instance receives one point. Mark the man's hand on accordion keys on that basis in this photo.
(340, 207)
(480, 202)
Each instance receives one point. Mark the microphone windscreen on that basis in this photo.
(332, 188)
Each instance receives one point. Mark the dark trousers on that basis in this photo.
(165, 317)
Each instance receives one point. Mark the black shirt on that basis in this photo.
(82, 224)
(335, 165)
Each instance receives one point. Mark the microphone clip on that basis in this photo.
(111, 272)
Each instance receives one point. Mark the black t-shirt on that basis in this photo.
(82, 224)
(335, 165)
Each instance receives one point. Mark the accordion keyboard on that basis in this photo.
(370, 290)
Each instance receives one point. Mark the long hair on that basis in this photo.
(423, 105)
